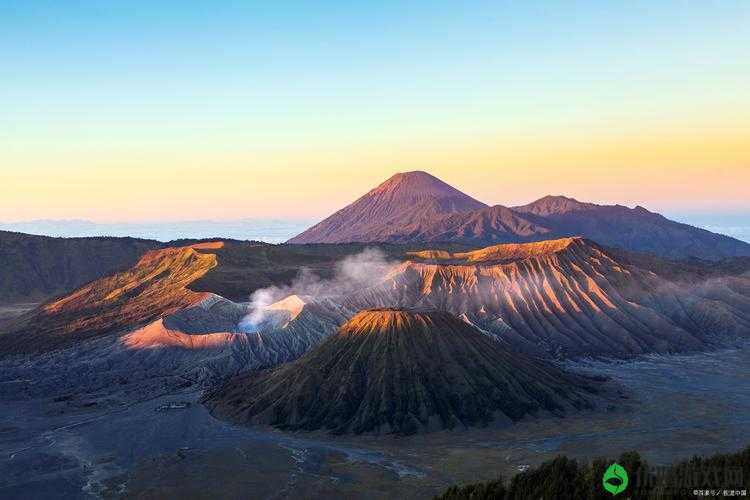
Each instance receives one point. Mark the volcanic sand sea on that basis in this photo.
(679, 406)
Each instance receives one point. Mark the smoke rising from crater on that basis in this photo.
(351, 273)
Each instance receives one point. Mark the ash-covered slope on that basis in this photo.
(402, 371)
(192, 346)
(154, 287)
(399, 206)
(568, 298)
(160, 337)
(162, 282)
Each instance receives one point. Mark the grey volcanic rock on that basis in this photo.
(401, 371)
(390, 212)
(197, 345)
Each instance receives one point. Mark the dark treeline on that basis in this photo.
(564, 478)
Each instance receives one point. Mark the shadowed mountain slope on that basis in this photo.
(486, 226)
(36, 268)
(402, 371)
(554, 205)
(166, 281)
(161, 283)
(146, 325)
(399, 206)
(635, 229)
(154, 287)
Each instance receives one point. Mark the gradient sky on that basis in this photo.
(132, 111)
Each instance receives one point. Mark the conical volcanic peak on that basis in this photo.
(393, 321)
(416, 186)
(394, 208)
(402, 371)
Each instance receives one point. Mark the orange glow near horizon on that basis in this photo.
(663, 168)
(295, 112)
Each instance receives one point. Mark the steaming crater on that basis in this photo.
(273, 316)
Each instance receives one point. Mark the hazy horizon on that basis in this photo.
(279, 230)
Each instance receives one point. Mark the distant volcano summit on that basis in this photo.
(402, 371)
(415, 207)
(405, 203)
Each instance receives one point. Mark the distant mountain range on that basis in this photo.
(415, 207)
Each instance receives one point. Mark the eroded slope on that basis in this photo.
(401, 371)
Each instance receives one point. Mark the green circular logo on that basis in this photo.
(615, 479)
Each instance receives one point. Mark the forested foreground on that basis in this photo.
(717, 476)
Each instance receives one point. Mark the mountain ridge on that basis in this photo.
(635, 229)
(36, 268)
(565, 298)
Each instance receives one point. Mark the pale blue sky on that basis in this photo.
(355, 91)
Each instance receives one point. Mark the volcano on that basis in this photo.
(402, 371)
(403, 204)
(415, 207)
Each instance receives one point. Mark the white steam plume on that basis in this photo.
(351, 273)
